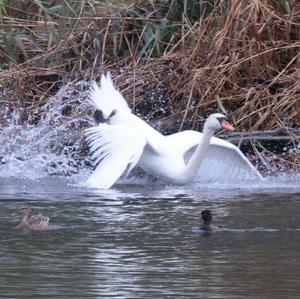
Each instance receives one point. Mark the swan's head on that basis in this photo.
(217, 121)
(206, 216)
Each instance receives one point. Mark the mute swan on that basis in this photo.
(125, 141)
(32, 222)
(207, 219)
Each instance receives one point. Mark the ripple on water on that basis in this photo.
(136, 241)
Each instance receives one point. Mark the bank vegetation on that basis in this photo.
(176, 61)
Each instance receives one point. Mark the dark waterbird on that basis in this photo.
(207, 221)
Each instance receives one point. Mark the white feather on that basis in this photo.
(128, 141)
(223, 160)
(107, 98)
(114, 148)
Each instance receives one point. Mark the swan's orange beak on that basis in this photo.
(226, 125)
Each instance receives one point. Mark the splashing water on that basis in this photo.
(55, 145)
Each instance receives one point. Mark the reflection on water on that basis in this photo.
(137, 240)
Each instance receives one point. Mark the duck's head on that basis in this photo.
(206, 216)
(217, 121)
(24, 211)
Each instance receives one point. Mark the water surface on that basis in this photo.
(140, 240)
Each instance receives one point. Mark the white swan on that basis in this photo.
(126, 141)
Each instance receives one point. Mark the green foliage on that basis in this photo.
(2, 8)
(94, 31)
(143, 29)
(166, 22)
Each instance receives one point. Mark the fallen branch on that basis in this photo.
(276, 134)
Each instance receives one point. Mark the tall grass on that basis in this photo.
(43, 41)
(139, 28)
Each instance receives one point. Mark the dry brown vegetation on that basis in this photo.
(245, 60)
(239, 56)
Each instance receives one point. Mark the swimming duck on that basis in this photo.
(207, 219)
(32, 222)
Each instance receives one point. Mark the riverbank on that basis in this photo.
(175, 64)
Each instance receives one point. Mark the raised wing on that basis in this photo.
(114, 148)
(106, 97)
(227, 164)
(223, 160)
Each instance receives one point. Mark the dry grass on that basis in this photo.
(45, 44)
(246, 61)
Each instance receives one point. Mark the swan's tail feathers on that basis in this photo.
(106, 97)
(115, 148)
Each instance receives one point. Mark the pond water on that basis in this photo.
(142, 240)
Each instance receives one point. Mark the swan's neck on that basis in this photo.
(197, 158)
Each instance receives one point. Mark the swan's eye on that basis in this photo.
(222, 118)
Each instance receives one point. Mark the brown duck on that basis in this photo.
(32, 222)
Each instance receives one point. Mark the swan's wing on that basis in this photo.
(223, 161)
(228, 163)
(114, 148)
(106, 97)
